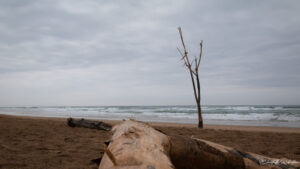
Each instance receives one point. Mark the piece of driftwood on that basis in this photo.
(193, 153)
(99, 125)
(136, 145)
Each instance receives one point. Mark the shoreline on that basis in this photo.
(38, 142)
(188, 125)
(242, 115)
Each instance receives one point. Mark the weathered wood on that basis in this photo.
(99, 125)
(193, 153)
(137, 145)
(187, 153)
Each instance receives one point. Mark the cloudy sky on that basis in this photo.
(98, 52)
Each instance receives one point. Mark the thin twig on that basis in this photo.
(180, 53)
(200, 55)
(185, 52)
(187, 62)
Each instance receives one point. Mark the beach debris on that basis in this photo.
(137, 145)
(99, 125)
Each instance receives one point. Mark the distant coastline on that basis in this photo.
(243, 115)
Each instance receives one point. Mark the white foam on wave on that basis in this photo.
(252, 114)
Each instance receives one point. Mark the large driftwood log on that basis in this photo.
(99, 125)
(137, 145)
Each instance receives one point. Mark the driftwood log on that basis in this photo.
(136, 145)
(99, 125)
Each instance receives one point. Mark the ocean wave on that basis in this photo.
(275, 113)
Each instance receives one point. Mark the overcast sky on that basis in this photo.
(96, 52)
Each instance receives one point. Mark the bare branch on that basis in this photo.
(196, 64)
(200, 55)
(185, 64)
(199, 88)
(181, 37)
(192, 63)
(194, 72)
(180, 53)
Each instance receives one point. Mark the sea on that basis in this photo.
(245, 115)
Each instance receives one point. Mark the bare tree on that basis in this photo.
(193, 68)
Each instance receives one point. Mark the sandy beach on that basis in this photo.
(32, 142)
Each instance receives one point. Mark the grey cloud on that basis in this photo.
(62, 34)
(251, 44)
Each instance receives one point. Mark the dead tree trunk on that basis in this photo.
(135, 145)
(194, 74)
(200, 120)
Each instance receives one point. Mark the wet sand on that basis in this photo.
(32, 142)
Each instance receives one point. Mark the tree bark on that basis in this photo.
(198, 100)
(200, 120)
(136, 145)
